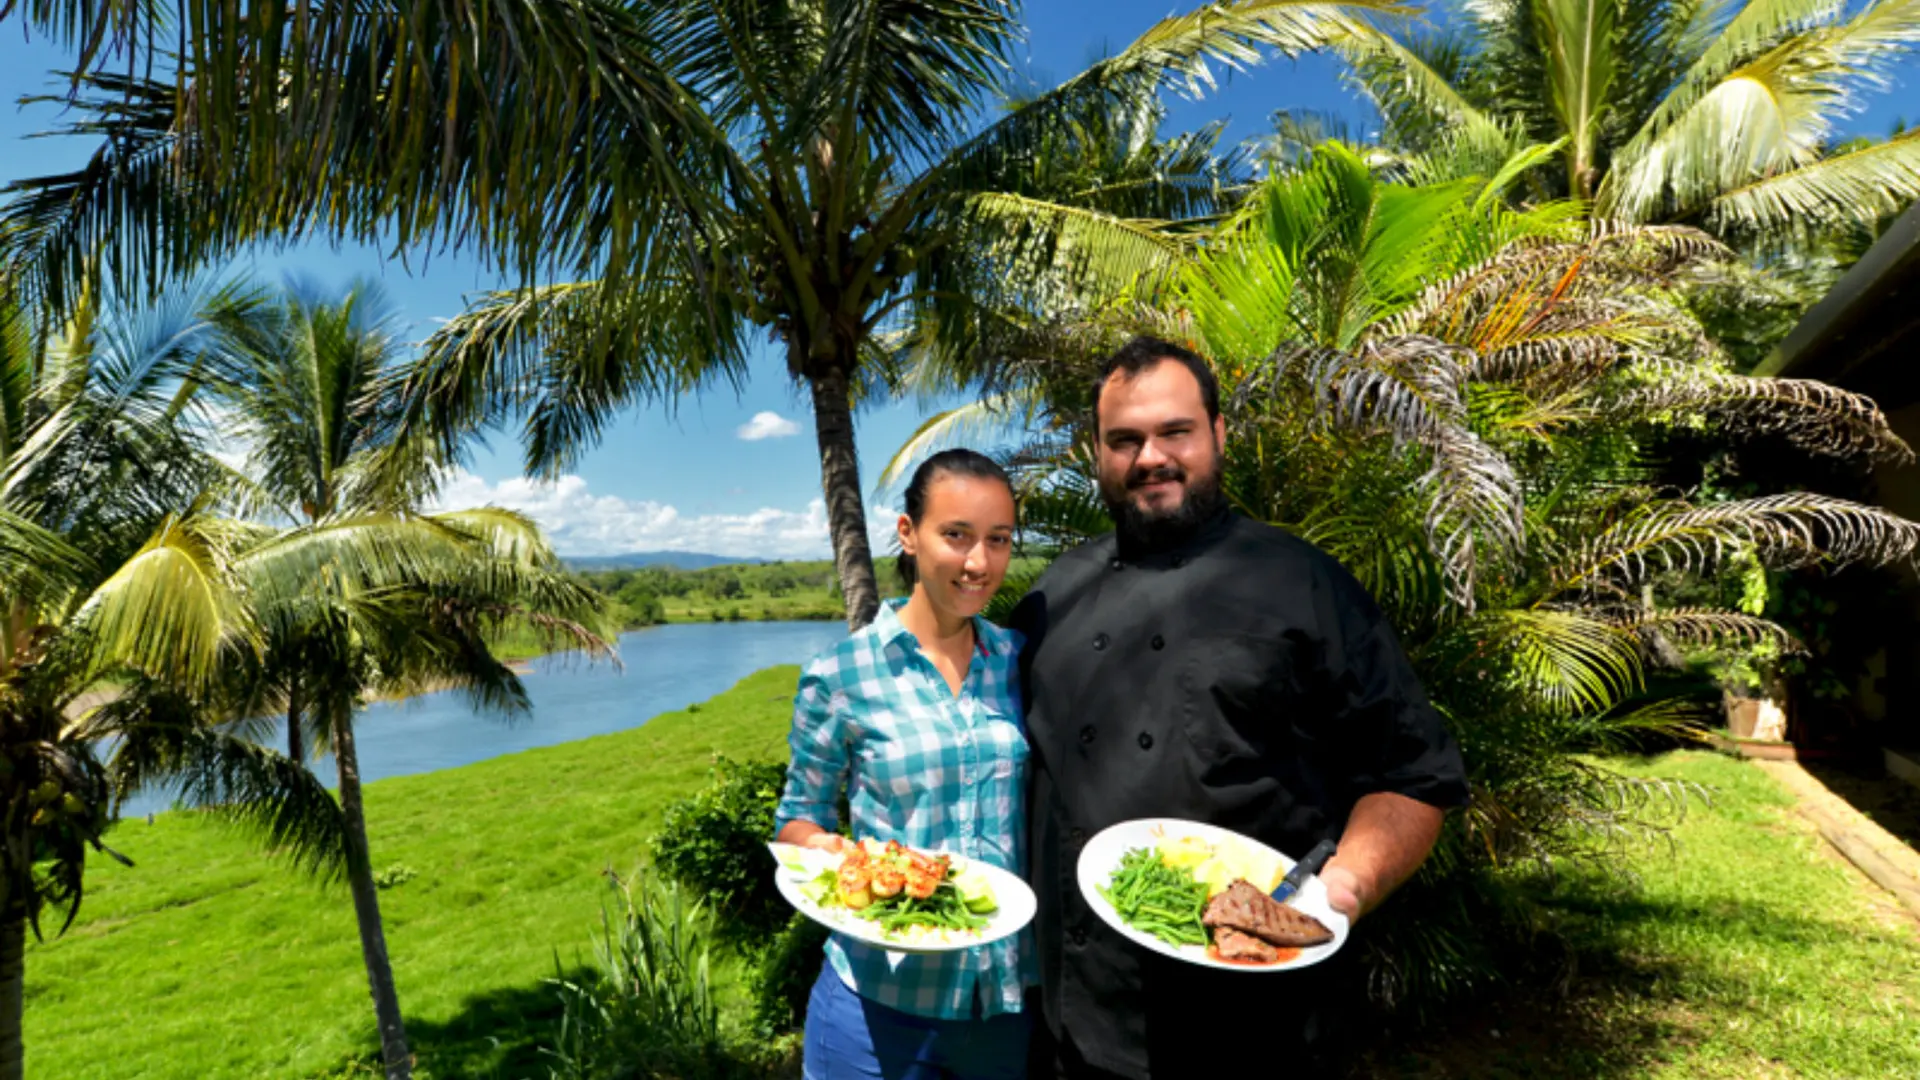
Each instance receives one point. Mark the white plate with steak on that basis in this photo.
(1199, 893)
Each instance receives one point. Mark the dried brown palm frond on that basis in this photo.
(1536, 278)
(1782, 531)
(1412, 388)
(1670, 244)
(1701, 627)
(1812, 415)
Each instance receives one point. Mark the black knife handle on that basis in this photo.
(1311, 863)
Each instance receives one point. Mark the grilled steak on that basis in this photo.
(1234, 945)
(1246, 909)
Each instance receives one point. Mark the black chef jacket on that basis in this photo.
(1243, 679)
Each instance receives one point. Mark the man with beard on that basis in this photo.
(1197, 664)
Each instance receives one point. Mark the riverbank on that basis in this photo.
(208, 960)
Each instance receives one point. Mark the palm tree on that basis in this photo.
(362, 594)
(111, 578)
(1712, 114)
(1463, 403)
(705, 171)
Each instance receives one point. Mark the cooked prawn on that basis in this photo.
(921, 882)
(888, 880)
(854, 884)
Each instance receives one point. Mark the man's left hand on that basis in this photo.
(1343, 890)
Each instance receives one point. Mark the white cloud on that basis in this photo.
(579, 522)
(767, 425)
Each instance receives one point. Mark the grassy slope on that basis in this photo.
(1755, 954)
(1752, 952)
(206, 960)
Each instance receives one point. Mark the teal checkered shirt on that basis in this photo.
(875, 718)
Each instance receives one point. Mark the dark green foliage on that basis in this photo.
(782, 976)
(1469, 407)
(715, 844)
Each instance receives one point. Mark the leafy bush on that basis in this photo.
(782, 976)
(714, 843)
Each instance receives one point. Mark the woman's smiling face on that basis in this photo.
(961, 546)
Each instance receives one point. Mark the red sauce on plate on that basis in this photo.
(1213, 953)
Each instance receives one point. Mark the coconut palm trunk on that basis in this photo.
(840, 483)
(366, 906)
(13, 967)
(296, 740)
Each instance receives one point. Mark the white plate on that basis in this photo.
(1101, 857)
(794, 866)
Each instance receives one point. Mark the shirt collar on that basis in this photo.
(988, 639)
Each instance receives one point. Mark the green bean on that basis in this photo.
(1157, 899)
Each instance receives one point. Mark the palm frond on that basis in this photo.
(1859, 185)
(1573, 663)
(1769, 116)
(1756, 27)
(1703, 628)
(1082, 255)
(1812, 415)
(565, 358)
(1411, 389)
(160, 742)
(989, 417)
(1180, 51)
(1410, 93)
(1782, 531)
(170, 610)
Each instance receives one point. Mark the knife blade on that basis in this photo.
(1308, 866)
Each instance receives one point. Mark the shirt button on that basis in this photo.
(1078, 835)
(1158, 642)
(1100, 641)
(1079, 936)
(1146, 741)
(1086, 734)
(1115, 563)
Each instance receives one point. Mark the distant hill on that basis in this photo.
(634, 560)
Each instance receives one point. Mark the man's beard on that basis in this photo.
(1159, 530)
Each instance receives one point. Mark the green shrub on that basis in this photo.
(782, 976)
(715, 843)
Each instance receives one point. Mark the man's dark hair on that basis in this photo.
(1145, 352)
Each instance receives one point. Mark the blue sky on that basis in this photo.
(691, 478)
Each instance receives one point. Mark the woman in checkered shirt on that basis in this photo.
(916, 718)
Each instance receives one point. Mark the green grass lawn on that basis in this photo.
(1752, 952)
(208, 960)
(1749, 952)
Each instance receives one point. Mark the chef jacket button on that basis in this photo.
(1078, 835)
(1086, 734)
(1158, 642)
(1146, 741)
(1079, 936)
(1100, 641)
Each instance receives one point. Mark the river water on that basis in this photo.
(663, 668)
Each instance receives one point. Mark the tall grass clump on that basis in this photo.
(649, 1007)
